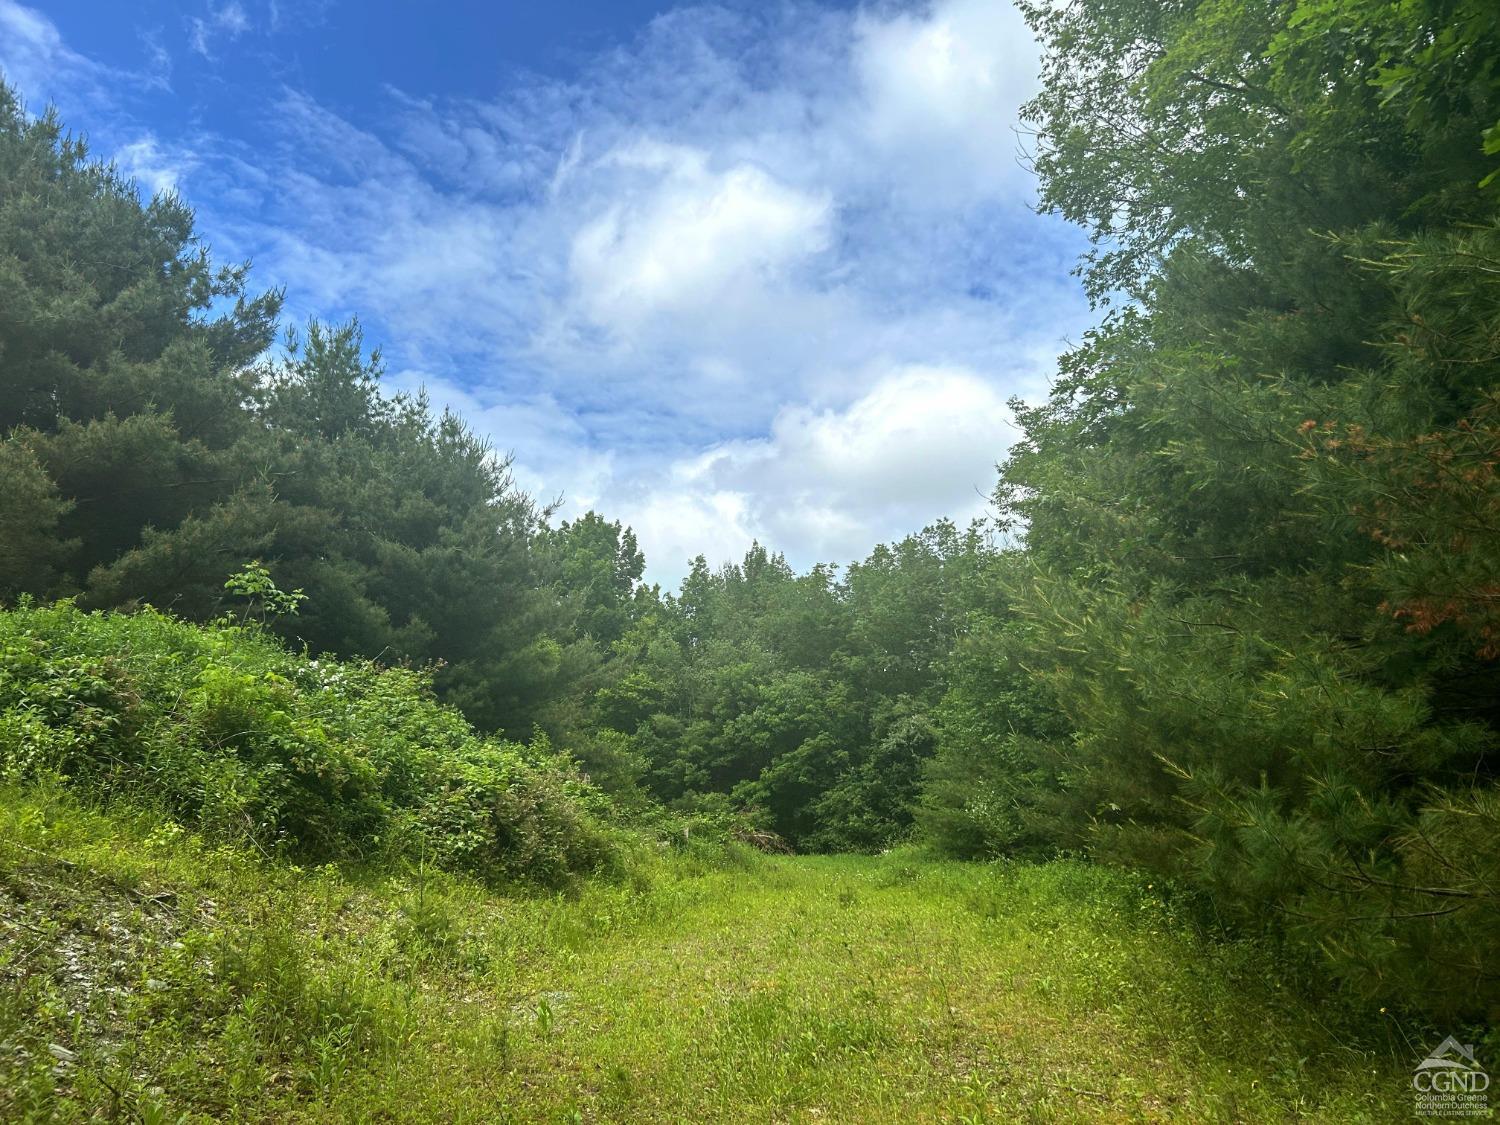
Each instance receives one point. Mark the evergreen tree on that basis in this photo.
(1257, 507)
(155, 445)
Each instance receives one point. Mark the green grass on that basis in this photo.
(147, 974)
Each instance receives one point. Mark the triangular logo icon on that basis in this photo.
(1450, 1055)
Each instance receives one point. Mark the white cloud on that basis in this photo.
(681, 523)
(916, 433)
(158, 60)
(682, 236)
(31, 29)
(941, 92)
(223, 21)
(922, 442)
(34, 57)
(749, 278)
(147, 162)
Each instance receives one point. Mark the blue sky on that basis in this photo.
(724, 272)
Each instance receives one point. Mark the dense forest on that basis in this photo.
(1235, 621)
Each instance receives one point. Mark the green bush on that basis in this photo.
(224, 728)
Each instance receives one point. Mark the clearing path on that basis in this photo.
(823, 989)
(147, 969)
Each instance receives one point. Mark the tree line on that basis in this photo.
(1235, 620)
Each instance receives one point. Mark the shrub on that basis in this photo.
(224, 728)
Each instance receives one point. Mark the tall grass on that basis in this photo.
(157, 974)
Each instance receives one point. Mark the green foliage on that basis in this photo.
(165, 977)
(31, 553)
(1232, 127)
(805, 697)
(598, 570)
(222, 728)
(1259, 506)
(264, 597)
(108, 300)
(988, 785)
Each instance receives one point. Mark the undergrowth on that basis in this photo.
(222, 728)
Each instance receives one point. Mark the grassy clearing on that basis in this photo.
(146, 973)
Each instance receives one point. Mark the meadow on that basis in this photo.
(150, 974)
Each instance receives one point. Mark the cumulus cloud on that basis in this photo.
(779, 267)
(828, 483)
(941, 92)
(683, 237)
